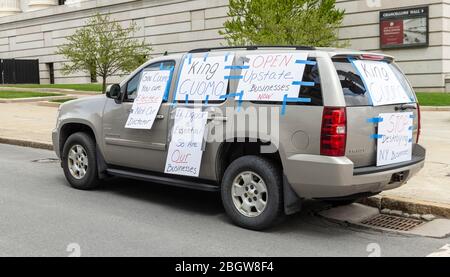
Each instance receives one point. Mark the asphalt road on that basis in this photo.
(40, 215)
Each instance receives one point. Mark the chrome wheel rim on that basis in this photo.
(77, 161)
(249, 194)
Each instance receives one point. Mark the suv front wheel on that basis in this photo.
(79, 161)
(252, 192)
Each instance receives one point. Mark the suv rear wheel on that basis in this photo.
(79, 161)
(252, 192)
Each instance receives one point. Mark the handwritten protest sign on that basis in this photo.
(185, 149)
(269, 77)
(394, 138)
(382, 83)
(202, 76)
(151, 90)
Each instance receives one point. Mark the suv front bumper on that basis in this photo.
(314, 176)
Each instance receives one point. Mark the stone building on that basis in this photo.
(32, 29)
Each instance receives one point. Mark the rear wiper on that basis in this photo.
(405, 107)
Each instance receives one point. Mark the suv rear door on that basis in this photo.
(361, 146)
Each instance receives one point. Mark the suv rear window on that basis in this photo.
(355, 93)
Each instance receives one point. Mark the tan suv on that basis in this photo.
(325, 148)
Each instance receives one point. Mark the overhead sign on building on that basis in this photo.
(404, 28)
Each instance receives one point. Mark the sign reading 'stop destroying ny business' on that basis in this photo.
(395, 133)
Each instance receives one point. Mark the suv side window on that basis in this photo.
(311, 74)
(133, 83)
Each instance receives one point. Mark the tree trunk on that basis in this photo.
(104, 84)
(93, 77)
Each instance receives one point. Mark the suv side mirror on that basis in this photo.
(113, 92)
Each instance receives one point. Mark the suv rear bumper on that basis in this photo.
(314, 176)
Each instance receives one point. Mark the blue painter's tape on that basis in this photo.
(174, 101)
(189, 58)
(305, 62)
(236, 77)
(375, 120)
(226, 56)
(234, 95)
(186, 99)
(287, 99)
(205, 57)
(161, 66)
(412, 116)
(376, 136)
(304, 84)
(206, 99)
(169, 82)
(236, 67)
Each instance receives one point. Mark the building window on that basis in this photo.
(61, 2)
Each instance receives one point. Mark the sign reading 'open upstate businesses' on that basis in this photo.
(395, 138)
(185, 149)
(150, 94)
(382, 83)
(204, 76)
(269, 77)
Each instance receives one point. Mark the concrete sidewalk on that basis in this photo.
(28, 122)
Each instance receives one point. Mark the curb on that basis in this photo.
(408, 205)
(435, 108)
(27, 143)
(32, 100)
(53, 90)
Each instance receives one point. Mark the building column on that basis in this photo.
(74, 2)
(34, 5)
(9, 7)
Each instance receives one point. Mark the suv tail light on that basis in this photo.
(334, 132)
(419, 124)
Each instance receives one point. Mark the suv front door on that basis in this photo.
(140, 149)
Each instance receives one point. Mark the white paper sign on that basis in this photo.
(382, 83)
(202, 76)
(185, 150)
(150, 94)
(395, 138)
(270, 77)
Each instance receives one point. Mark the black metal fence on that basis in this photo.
(19, 71)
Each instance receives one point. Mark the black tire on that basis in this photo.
(271, 175)
(90, 180)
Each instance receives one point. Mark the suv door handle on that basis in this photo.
(160, 116)
(217, 118)
(404, 107)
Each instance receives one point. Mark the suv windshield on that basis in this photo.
(355, 92)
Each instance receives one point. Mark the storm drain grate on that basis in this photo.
(392, 222)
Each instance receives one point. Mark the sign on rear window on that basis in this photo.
(367, 83)
(381, 82)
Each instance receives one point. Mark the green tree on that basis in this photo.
(103, 48)
(283, 22)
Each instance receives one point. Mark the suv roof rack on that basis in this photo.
(250, 47)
